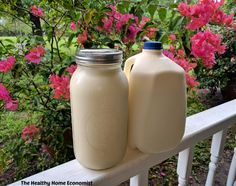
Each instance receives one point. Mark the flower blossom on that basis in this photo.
(220, 17)
(205, 45)
(4, 93)
(7, 64)
(36, 11)
(116, 21)
(172, 37)
(12, 105)
(29, 132)
(5, 96)
(162, 174)
(73, 26)
(122, 20)
(131, 34)
(60, 86)
(82, 37)
(143, 21)
(204, 12)
(71, 69)
(184, 9)
(150, 32)
(35, 54)
(191, 80)
(181, 53)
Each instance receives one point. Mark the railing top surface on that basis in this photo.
(198, 127)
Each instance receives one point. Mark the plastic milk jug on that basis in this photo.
(157, 100)
(99, 108)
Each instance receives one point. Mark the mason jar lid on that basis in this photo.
(99, 56)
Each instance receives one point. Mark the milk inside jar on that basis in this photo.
(99, 108)
(157, 100)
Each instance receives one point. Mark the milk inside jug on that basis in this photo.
(157, 100)
(99, 108)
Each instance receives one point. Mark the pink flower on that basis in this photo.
(73, 26)
(185, 64)
(131, 34)
(122, 20)
(4, 94)
(7, 64)
(162, 174)
(113, 11)
(71, 69)
(60, 86)
(169, 54)
(36, 11)
(220, 17)
(107, 24)
(82, 37)
(181, 53)
(143, 21)
(184, 9)
(172, 48)
(150, 32)
(39, 49)
(12, 105)
(191, 81)
(228, 20)
(205, 45)
(204, 12)
(29, 132)
(172, 37)
(35, 54)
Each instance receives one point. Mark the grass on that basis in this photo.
(11, 125)
(62, 44)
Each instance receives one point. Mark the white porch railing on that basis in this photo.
(213, 122)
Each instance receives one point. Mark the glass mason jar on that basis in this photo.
(99, 108)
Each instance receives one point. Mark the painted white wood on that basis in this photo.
(198, 127)
(184, 166)
(232, 170)
(140, 180)
(217, 147)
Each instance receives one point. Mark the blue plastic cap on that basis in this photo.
(152, 45)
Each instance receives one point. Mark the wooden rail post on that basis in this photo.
(140, 180)
(231, 180)
(184, 166)
(217, 147)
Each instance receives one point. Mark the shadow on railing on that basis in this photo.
(212, 122)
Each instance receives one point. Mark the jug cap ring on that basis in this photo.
(152, 45)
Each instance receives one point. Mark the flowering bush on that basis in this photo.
(197, 46)
(36, 75)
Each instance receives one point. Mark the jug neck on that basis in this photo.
(155, 52)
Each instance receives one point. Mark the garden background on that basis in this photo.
(38, 41)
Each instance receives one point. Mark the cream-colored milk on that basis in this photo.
(99, 103)
(157, 102)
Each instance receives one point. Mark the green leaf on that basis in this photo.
(174, 5)
(70, 40)
(62, 70)
(88, 16)
(152, 9)
(177, 21)
(124, 7)
(9, 41)
(162, 13)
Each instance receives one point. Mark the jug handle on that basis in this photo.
(128, 66)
